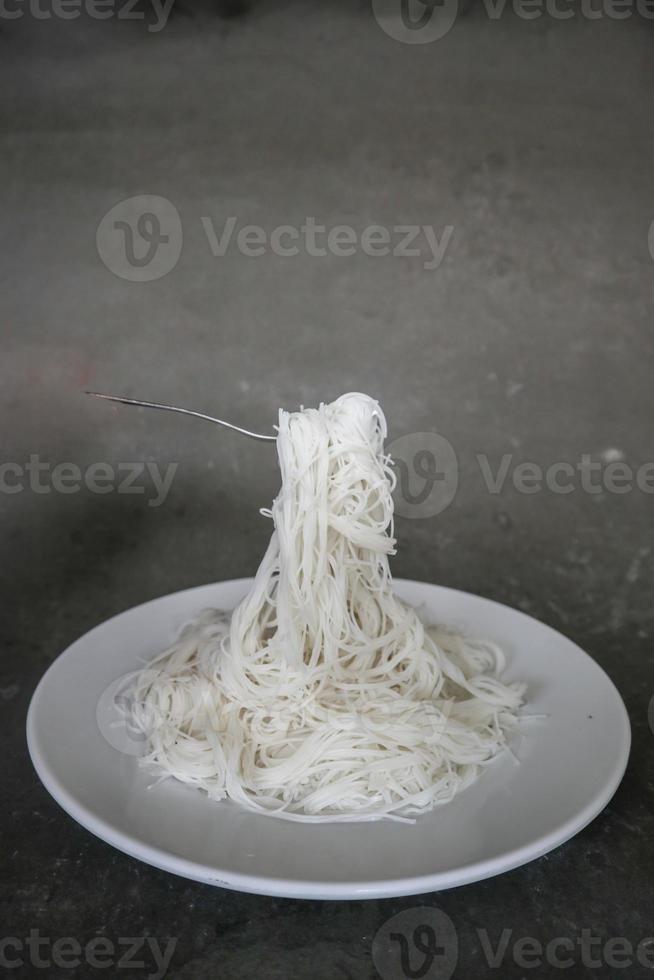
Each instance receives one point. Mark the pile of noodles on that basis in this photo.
(323, 696)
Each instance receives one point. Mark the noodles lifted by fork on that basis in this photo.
(324, 696)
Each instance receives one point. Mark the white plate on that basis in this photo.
(569, 767)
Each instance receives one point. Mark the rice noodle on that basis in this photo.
(324, 696)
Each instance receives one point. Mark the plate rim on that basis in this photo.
(478, 870)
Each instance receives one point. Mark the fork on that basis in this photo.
(183, 411)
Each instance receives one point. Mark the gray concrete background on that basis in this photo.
(534, 141)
